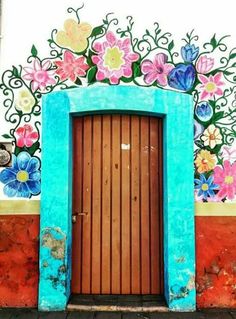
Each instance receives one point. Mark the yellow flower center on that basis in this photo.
(205, 187)
(204, 161)
(210, 87)
(229, 179)
(113, 58)
(22, 176)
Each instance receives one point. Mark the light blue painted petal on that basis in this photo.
(34, 187)
(211, 193)
(23, 159)
(197, 181)
(202, 178)
(200, 192)
(14, 166)
(214, 186)
(33, 165)
(205, 194)
(35, 176)
(23, 191)
(7, 176)
(11, 188)
(210, 180)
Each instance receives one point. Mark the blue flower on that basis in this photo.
(189, 52)
(182, 77)
(198, 129)
(204, 111)
(205, 186)
(23, 178)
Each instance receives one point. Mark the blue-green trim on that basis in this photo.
(55, 226)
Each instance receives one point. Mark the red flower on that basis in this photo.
(71, 67)
(26, 136)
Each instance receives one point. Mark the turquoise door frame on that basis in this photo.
(56, 199)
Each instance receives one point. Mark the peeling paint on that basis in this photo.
(57, 245)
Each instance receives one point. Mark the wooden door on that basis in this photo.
(117, 196)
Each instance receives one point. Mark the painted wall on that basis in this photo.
(215, 254)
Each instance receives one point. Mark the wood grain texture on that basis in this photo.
(118, 182)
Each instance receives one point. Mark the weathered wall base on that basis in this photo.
(19, 260)
(216, 262)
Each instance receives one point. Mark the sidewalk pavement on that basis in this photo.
(34, 314)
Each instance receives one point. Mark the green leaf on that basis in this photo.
(78, 81)
(228, 73)
(171, 45)
(126, 80)
(136, 70)
(97, 30)
(33, 148)
(6, 136)
(92, 75)
(213, 41)
(147, 32)
(34, 51)
(232, 56)
(233, 65)
(217, 116)
(15, 71)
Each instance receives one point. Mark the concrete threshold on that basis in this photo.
(116, 308)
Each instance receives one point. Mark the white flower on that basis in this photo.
(211, 136)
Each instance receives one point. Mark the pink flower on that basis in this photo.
(71, 67)
(228, 153)
(39, 75)
(210, 85)
(114, 58)
(26, 136)
(226, 178)
(156, 70)
(204, 64)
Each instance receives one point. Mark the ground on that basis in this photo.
(34, 314)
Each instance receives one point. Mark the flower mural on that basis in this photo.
(84, 55)
(157, 70)
(205, 186)
(114, 58)
(23, 178)
(71, 67)
(39, 75)
(225, 177)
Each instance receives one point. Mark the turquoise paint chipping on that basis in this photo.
(56, 198)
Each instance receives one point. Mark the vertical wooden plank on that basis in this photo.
(115, 249)
(96, 205)
(125, 206)
(154, 205)
(86, 243)
(77, 204)
(145, 236)
(135, 204)
(106, 205)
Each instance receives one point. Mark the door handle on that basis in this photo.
(75, 214)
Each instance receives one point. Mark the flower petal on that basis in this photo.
(147, 66)
(7, 176)
(111, 38)
(23, 159)
(11, 188)
(34, 186)
(34, 165)
(23, 191)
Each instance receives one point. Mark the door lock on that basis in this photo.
(74, 216)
